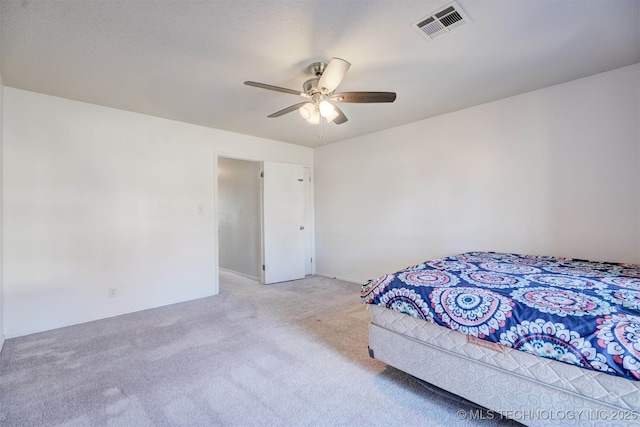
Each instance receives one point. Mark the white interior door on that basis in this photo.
(283, 222)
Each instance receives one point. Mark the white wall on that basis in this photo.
(555, 171)
(239, 216)
(97, 198)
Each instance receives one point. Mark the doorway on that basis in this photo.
(265, 219)
(239, 217)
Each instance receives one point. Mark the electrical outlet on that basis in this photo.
(112, 292)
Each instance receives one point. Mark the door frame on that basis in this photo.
(253, 274)
(310, 215)
(216, 214)
(216, 225)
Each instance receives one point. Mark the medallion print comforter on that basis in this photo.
(579, 312)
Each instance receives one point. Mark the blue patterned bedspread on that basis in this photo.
(579, 312)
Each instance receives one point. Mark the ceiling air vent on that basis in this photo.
(441, 21)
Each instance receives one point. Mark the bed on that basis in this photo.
(541, 340)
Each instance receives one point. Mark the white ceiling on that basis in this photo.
(187, 60)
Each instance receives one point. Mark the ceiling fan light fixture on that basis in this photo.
(326, 109)
(307, 110)
(315, 118)
(331, 117)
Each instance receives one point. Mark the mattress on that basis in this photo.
(511, 383)
(575, 311)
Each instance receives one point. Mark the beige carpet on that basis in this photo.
(290, 354)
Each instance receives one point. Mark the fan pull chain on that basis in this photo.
(320, 134)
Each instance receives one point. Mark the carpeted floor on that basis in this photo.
(290, 354)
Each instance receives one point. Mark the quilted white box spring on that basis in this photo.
(504, 381)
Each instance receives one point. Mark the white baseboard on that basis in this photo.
(248, 276)
(344, 279)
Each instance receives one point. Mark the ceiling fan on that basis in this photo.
(320, 95)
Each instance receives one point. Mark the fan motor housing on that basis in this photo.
(317, 68)
(311, 86)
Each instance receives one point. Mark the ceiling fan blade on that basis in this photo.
(364, 97)
(275, 88)
(333, 74)
(286, 110)
(341, 118)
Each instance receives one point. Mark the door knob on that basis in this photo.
(302, 227)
